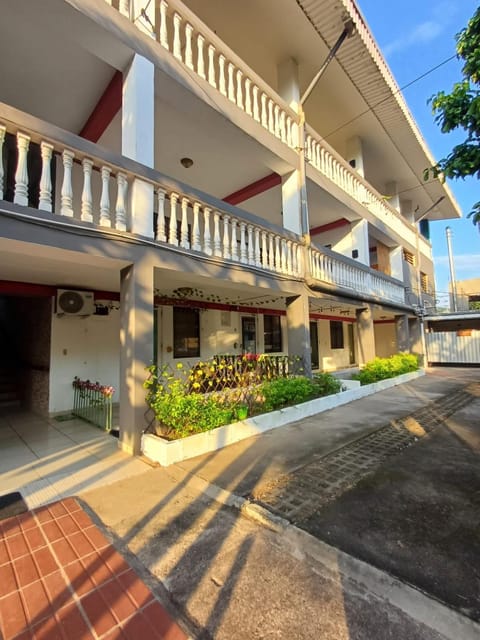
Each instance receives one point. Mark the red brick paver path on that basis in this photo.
(61, 579)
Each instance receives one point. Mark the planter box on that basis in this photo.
(167, 452)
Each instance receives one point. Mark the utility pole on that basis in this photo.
(453, 283)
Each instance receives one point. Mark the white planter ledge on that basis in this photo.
(167, 452)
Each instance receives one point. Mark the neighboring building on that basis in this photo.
(152, 160)
(467, 294)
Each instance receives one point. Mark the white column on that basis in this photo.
(45, 201)
(355, 154)
(359, 235)
(226, 238)
(184, 243)
(172, 229)
(406, 210)
(207, 238)
(21, 174)
(396, 263)
(243, 244)
(138, 135)
(163, 24)
(292, 202)
(288, 83)
(391, 190)
(161, 236)
(196, 246)
(217, 247)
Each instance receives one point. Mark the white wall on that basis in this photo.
(220, 333)
(385, 339)
(331, 359)
(85, 347)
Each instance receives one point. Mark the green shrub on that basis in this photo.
(383, 368)
(325, 384)
(182, 414)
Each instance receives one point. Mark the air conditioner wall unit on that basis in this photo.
(75, 303)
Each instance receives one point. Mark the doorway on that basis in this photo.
(314, 345)
(249, 334)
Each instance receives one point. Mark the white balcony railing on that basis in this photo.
(75, 184)
(338, 271)
(201, 51)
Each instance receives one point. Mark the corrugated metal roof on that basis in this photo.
(373, 79)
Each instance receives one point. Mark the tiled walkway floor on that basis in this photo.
(46, 459)
(61, 579)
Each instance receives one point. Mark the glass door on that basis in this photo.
(249, 334)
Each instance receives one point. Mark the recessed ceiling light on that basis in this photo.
(186, 162)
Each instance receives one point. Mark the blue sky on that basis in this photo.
(414, 37)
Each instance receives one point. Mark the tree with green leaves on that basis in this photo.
(460, 109)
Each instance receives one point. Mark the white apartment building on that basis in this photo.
(167, 194)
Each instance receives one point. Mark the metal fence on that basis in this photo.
(92, 402)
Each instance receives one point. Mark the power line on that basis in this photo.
(405, 86)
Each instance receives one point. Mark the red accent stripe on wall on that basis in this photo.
(105, 109)
(254, 189)
(384, 322)
(26, 289)
(342, 222)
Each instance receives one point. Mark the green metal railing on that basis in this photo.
(92, 402)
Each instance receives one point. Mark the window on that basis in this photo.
(272, 334)
(424, 282)
(409, 257)
(336, 334)
(186, 333)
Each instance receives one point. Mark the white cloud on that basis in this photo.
(422, 33)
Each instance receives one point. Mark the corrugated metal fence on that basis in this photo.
(451, 347)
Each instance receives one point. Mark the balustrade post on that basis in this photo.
(251, 248)
(256, 111)
(172, 230)
(264, 116)
(234, 240)
(200, 56)
(21, 174)
(283, 133)
(289, 257)
(264, 250)
(86, 213)
(271, 251)
(226, 238)
(177, 44)
(278, 255)
(161, 235)
(283, 245)
(271, 119)
(120, 206)
(45, 201)
(211, 66)
(188, 46)
(243, 244)
(231, 84)
(184, 243)
(207, 242)
(276, 121)
(163, 24)
(196, 228)
(248, 97)
(3, 130)
(221, 75)
(257, 247)
(239, 89)
(105, 198)
(217, 247)
(66, 199)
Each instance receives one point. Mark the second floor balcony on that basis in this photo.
(67, 180)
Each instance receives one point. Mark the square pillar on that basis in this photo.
(298, 330)
(416, 338)
(391, 189)
(402, 333)
(292, 202)
(136, 351)
(138, 134)
(355, 154)
(365, 335)
(360, 244)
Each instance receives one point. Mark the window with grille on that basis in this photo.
(186, 333)
(336, 334)
(409, 257)
(272, 334)
(424, 282)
